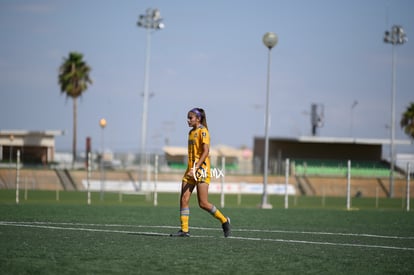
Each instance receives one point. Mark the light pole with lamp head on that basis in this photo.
(354, 104)
(102, 123)
(270, 40)
(395, 37)
(150, 21)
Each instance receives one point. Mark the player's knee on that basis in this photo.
(185, 200)
(184, 203)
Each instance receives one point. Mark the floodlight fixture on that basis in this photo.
(151, 21)
(269, 40)
(395, 37)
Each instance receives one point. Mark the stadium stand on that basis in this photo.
(309, 185)
(66, 179)
(78, 176)
(337, 187)
(31, 179)
(315, 167)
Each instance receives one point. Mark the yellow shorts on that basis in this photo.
(201, 175)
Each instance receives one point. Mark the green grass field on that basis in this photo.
(314, 236)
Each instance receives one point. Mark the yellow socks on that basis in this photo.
(217, 214)
(184, 217)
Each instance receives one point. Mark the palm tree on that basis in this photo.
(407, 120)
(73, 80)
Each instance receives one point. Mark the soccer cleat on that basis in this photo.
(180, 233)
(226, 228)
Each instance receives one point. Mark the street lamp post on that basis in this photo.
(11, 157)
(150, 21)
(395, 37)
(354, 104)
(11, 148)
(270, 40)
(102, 123)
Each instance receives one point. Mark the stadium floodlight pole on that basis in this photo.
(395, 37)
(270, 40)
(150, 21)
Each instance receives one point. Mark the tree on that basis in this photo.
(73, 80)
(407, 120)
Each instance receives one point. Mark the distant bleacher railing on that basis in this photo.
(314, 167)
(183, 166)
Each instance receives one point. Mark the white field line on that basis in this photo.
(215, 229)
(329, 233)
(44, 226)
(326, 243)
(81, 229)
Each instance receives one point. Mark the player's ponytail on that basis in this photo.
(203, 118)
(201, 114)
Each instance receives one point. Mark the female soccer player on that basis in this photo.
(198, 174)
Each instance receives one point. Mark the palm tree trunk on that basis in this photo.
(75, 109)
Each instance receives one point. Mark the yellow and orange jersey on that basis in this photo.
(196, 138)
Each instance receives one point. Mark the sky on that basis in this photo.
(209, 55)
